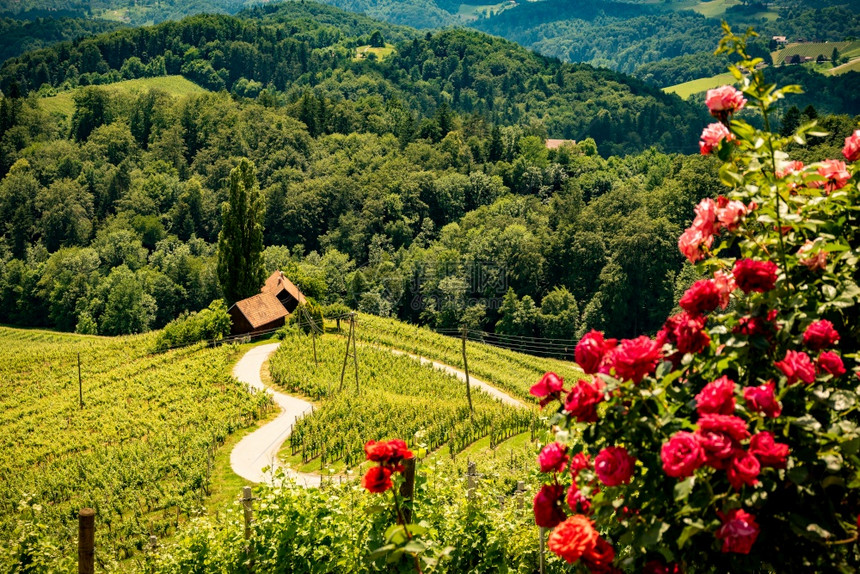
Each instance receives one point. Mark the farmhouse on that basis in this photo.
(780, 40)
(269, 310)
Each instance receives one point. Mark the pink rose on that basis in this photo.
(635, 358)
(582, 400)
(706, 216)
(738, 532)
(692, 242)
(717, 397)
(768, 451)
(829, 362)
(836, 174)
(591, 350)
(751, 275)
(682, 455)
(797, 367)
(553, 457)
(724, 100)
(762, 399)
(818, 260)
(614, 466)
(548, 388)
(725, 283)
(712, 136)
(743, 469)
(702, 297)
(851, 151)
(547, 506)
(820, 334)
(730, 213)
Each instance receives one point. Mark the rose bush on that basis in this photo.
(730, 441)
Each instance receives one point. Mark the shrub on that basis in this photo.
(209, 324)
(730, 442)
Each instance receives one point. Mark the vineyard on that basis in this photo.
(139, 450)
(510, 371)
(397, 396)
(812, 50)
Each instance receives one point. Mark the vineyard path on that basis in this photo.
(259, 449)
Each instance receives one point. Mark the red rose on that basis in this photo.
(377, 479)
(751, 275)
(720, 436)
(762, 399)
(820, 334)
(635, 358)
(614, 466)
(658, 567)
(573, 538)
(797, 366)
(851, 151)
(599, 557)
(591, 350)
(743, 469)
(548, 388)
(702, 297)
(582, 400)
(717, 397)
(682, 455)
(768, 451)
(553, 457)
(830, 362)
(738, 532)
(758, 325)
(577, 501)
(580, 461)
(547, 505)
(377, 451)
(399, 450)
(690, 336)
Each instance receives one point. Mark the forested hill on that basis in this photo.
(293, 47)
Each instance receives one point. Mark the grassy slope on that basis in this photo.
(687, 89)
(381, 53)
(176, 86)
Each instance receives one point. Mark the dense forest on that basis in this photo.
(20, 36)
(418, 186)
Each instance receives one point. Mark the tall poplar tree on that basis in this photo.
(240, 243)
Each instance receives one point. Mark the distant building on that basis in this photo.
(269, 310)
(555, 144)
(780, 40)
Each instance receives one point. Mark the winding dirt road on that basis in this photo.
(259, 449)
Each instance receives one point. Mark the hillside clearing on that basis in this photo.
(687, 89)
(363, 52)
(176, 86)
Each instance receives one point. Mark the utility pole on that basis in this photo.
(466, 368)
(353, 354)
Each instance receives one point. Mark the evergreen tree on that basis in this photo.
(376, 39)
(240, 243)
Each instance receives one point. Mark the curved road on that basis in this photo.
(259, 449)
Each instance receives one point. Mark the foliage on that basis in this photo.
(208, 324)
(240, 243)
(729, 442)
(138, 451)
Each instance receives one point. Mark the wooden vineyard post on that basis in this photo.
(86, 541)
(247, 498)
(80, 383)
(407, 489)
(466, 369)
(541, 546)
(521, 489)
(471, 475)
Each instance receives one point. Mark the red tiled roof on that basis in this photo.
(277, 282)
(261, 309)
